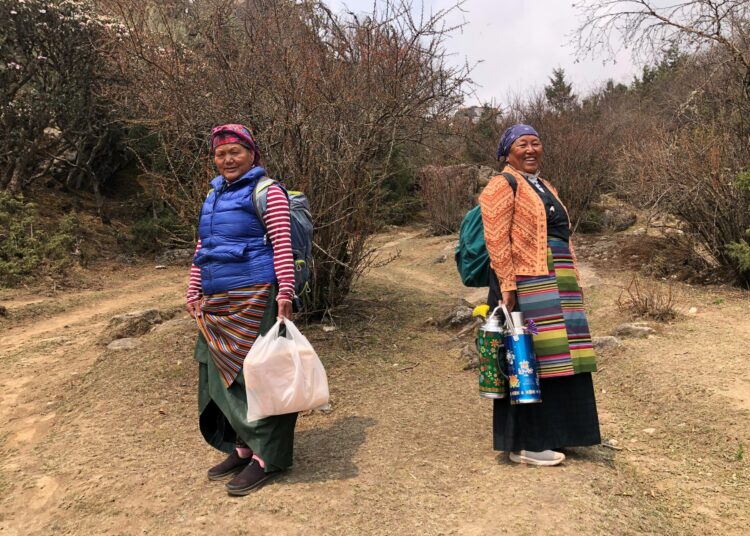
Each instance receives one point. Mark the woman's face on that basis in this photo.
(233, 160)
(526, 154)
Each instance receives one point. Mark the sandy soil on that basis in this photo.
(94, 441)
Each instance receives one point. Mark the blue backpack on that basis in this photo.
(472, 259)
(302, 232)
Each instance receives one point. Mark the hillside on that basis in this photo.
(97, 441)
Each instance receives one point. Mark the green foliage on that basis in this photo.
(27, 251)
(559, 93)
(739, 251)
(151, 234)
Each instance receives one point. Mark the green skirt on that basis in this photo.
(223, 410)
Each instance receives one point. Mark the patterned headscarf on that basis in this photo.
(511, 135)
(234, 133)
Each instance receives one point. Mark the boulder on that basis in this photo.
(459, 315)
(132, 324)
(128, 343)
(606, 342)
(634, 330)
(618, 219)
(470, 357)
(175, 257)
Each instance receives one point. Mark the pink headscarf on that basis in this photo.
(235, 133)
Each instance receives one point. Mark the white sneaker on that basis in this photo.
(545, 457)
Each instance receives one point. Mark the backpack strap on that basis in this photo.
(512, 181)
(260, 197)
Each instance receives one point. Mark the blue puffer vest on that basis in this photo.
(234, 250)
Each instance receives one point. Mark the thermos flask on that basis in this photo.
(523, 377)
(492, 383)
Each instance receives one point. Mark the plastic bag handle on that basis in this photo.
(296, 335)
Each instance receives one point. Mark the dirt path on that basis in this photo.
(100, 442)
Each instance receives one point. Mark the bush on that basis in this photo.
(648, 299)
(27, 251)
(447, 193)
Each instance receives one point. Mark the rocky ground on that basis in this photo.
(104, 440)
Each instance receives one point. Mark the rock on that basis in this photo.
(160, 267)
(460, 315)
(125, 259)
(180, 323)
(440, 260)
(605, 342)
(618, 219)
(470, 356)
(328, 329)
(132, 324)
(649, 431)
(634, 330)
(3, 311)
(693, 311)
(127, 343)
(176, 257)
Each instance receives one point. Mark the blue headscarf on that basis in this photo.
(511, 135)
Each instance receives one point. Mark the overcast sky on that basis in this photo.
(519, 43)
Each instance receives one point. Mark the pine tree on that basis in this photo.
(559, 93)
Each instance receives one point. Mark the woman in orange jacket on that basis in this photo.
(527, 232)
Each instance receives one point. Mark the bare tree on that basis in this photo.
(651, 26)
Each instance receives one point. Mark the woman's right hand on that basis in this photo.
(509, 299)
(194, 308)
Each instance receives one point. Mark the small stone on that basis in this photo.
(160, 267)
(693, 311)
(127, 343)
(440, 260)
(328, 329)
(606, 341)
(649, 431)
(635, 330)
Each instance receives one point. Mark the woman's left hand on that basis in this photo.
(285, 310)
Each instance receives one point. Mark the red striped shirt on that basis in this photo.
(279, 227)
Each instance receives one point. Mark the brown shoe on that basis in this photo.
(251, 478)
(230, 466)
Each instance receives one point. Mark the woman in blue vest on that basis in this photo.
(241, 280)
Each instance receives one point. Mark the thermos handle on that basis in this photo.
(508, 320)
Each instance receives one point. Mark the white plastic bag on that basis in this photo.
(283, 374)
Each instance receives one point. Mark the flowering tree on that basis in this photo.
(52, 115)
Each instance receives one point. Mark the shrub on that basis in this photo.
(447, 193)
(26, 250)
(648, 299)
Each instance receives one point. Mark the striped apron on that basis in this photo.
(555, 303)
(230, 323)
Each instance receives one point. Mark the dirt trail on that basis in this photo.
(100, 442)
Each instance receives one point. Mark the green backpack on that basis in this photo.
(472, 259)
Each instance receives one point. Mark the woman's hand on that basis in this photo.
(194, 308)
(285, 309)
(509, 299)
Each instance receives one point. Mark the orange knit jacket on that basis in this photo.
(515, 229)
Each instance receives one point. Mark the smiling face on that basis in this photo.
(526, 154)
(233, 160)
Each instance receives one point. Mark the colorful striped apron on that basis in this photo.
(230, 322)
(555, 303)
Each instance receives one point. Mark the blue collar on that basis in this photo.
(255, 173)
